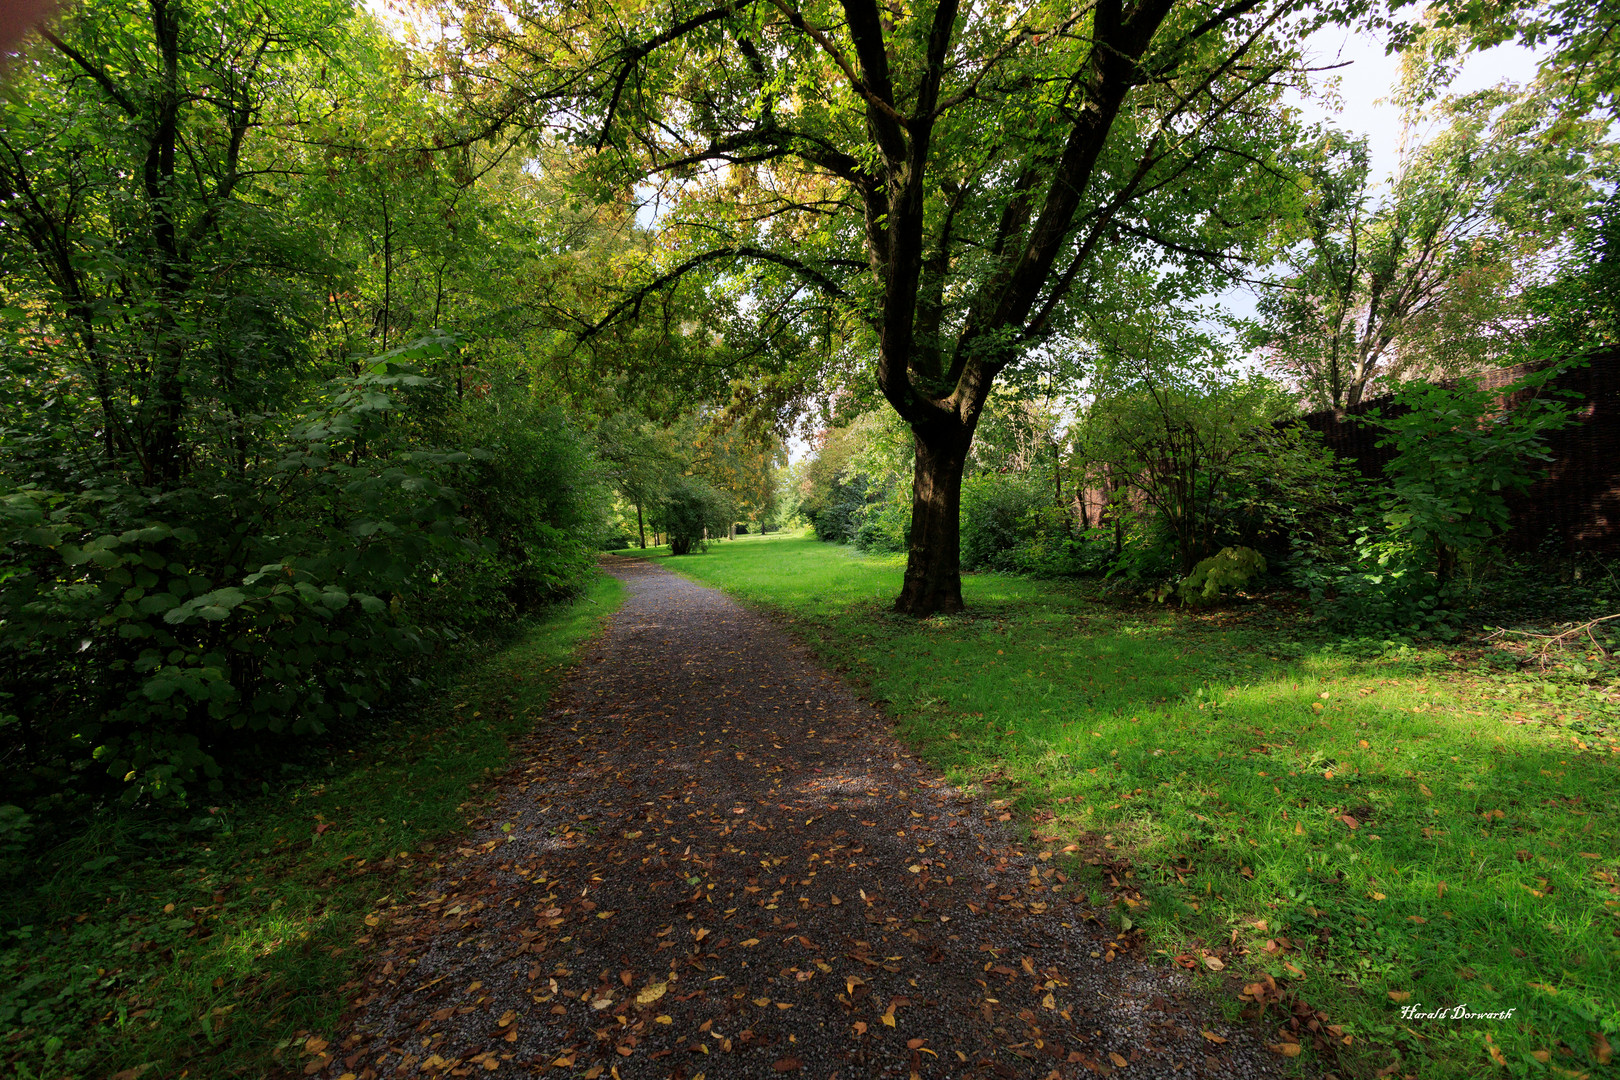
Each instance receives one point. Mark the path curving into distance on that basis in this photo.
(715, 859)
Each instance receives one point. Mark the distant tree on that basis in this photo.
(1430, 277)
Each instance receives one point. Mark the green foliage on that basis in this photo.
(209, 942)
(1431, 274)
(1459, 451)
(884, 522)
(226, 619)
(1011, 523)
(1228, 568)
(537, 494)
(692, 511)
(229, 528)
(1199, 460)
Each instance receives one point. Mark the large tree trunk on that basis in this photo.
(933, 584)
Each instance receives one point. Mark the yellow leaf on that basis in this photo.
(663, 1019)
(1400, 995)
(762, 1002)
(1543, 1056)
(1496, 1055)
(750, 943)
(506, 1018)
(1118, 1061)
(651, 993)
(888, 1017)
(1299, 828)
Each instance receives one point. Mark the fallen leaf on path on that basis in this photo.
(1286, 1049)
(1214, 963)
(1118, 1061)
(1212, 1037)
(651, 993)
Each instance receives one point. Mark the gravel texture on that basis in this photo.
(716, 860)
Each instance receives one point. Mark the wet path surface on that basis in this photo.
(715, 859)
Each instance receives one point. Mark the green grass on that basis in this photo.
(209, 950)
(1217, 753)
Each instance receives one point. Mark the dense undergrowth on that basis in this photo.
(1373, 824)
(167, 944)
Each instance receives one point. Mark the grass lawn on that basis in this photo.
(207, 950)
(1371, 828)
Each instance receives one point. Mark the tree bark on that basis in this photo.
(933, 583)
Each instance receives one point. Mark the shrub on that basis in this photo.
(883, 522)
(537, 494)
(691, 510)
(1229, 568)
(165, 640)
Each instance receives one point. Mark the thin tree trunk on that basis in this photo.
(641, 529)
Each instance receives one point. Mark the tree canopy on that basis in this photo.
(948, 188)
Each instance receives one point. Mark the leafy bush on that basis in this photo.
(883, 522)
(162, 639)
(537, 494)
(691, 510)
(1011, 523)
(1459, 452)
(835, 514)
(1228, 568)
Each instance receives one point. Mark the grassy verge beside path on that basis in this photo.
(209, 950)
(1425, 828)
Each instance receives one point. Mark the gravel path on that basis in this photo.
(716, 861)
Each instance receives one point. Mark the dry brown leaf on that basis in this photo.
(1350, 822)
(1286, 1049)
(1117, 1060)
(1214, 963)
(1601, 1048)
(1212, 1037)
(1400, 995)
